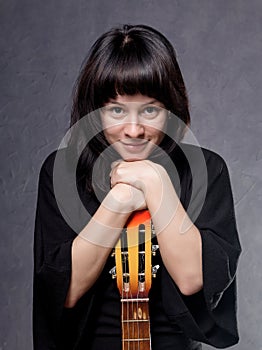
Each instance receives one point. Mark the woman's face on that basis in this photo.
(134, 125)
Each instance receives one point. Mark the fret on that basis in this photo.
(139, 345)
(136, 345)
(140, 339)
(129, 321)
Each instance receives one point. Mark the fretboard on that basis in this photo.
(135, 324)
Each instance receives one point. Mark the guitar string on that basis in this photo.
(127, 303)
(123, 292)
(126, 262)
(139, 270)
(141, 281)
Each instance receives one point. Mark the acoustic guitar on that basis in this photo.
(133, 273)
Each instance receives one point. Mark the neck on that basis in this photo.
(135, 324)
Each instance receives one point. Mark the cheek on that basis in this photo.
(156, 135)
(159, 137)
(112, 134)
(158, 129)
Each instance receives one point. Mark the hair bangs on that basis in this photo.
(129, 72)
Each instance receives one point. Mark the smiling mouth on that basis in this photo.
(134, 147)
(134, 144)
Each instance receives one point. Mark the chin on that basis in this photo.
(129, 157)
(134, 156)
(132, 159)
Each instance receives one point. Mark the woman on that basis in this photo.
(129, 115)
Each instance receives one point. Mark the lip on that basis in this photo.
(134, 147)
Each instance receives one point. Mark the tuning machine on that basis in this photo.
(154, 270)
(153, 231)
(113, 272)
(155, 247)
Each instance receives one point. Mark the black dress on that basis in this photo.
(177, 321)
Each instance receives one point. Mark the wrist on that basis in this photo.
(154, 184)
(124, 199)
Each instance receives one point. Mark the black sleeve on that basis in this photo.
(210, 315)
(54, 327)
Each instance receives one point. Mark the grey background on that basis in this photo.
(43, 44)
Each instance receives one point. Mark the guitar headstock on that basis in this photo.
(133, 256)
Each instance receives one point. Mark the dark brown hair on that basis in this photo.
(129, 60)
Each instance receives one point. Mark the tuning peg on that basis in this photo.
(113, 253)
(154, 270)
(113, 272)
(155, 247)
(153, 229)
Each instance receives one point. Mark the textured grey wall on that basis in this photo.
(43, 44)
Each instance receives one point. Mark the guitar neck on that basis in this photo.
(135, 324)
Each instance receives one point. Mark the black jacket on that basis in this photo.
(208, 316)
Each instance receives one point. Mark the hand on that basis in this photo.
(137, 174)
(124, 198)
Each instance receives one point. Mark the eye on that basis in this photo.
(117, 110)
(150, 111)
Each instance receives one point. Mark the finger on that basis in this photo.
(116, 163)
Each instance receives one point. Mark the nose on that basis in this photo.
(134, 129)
